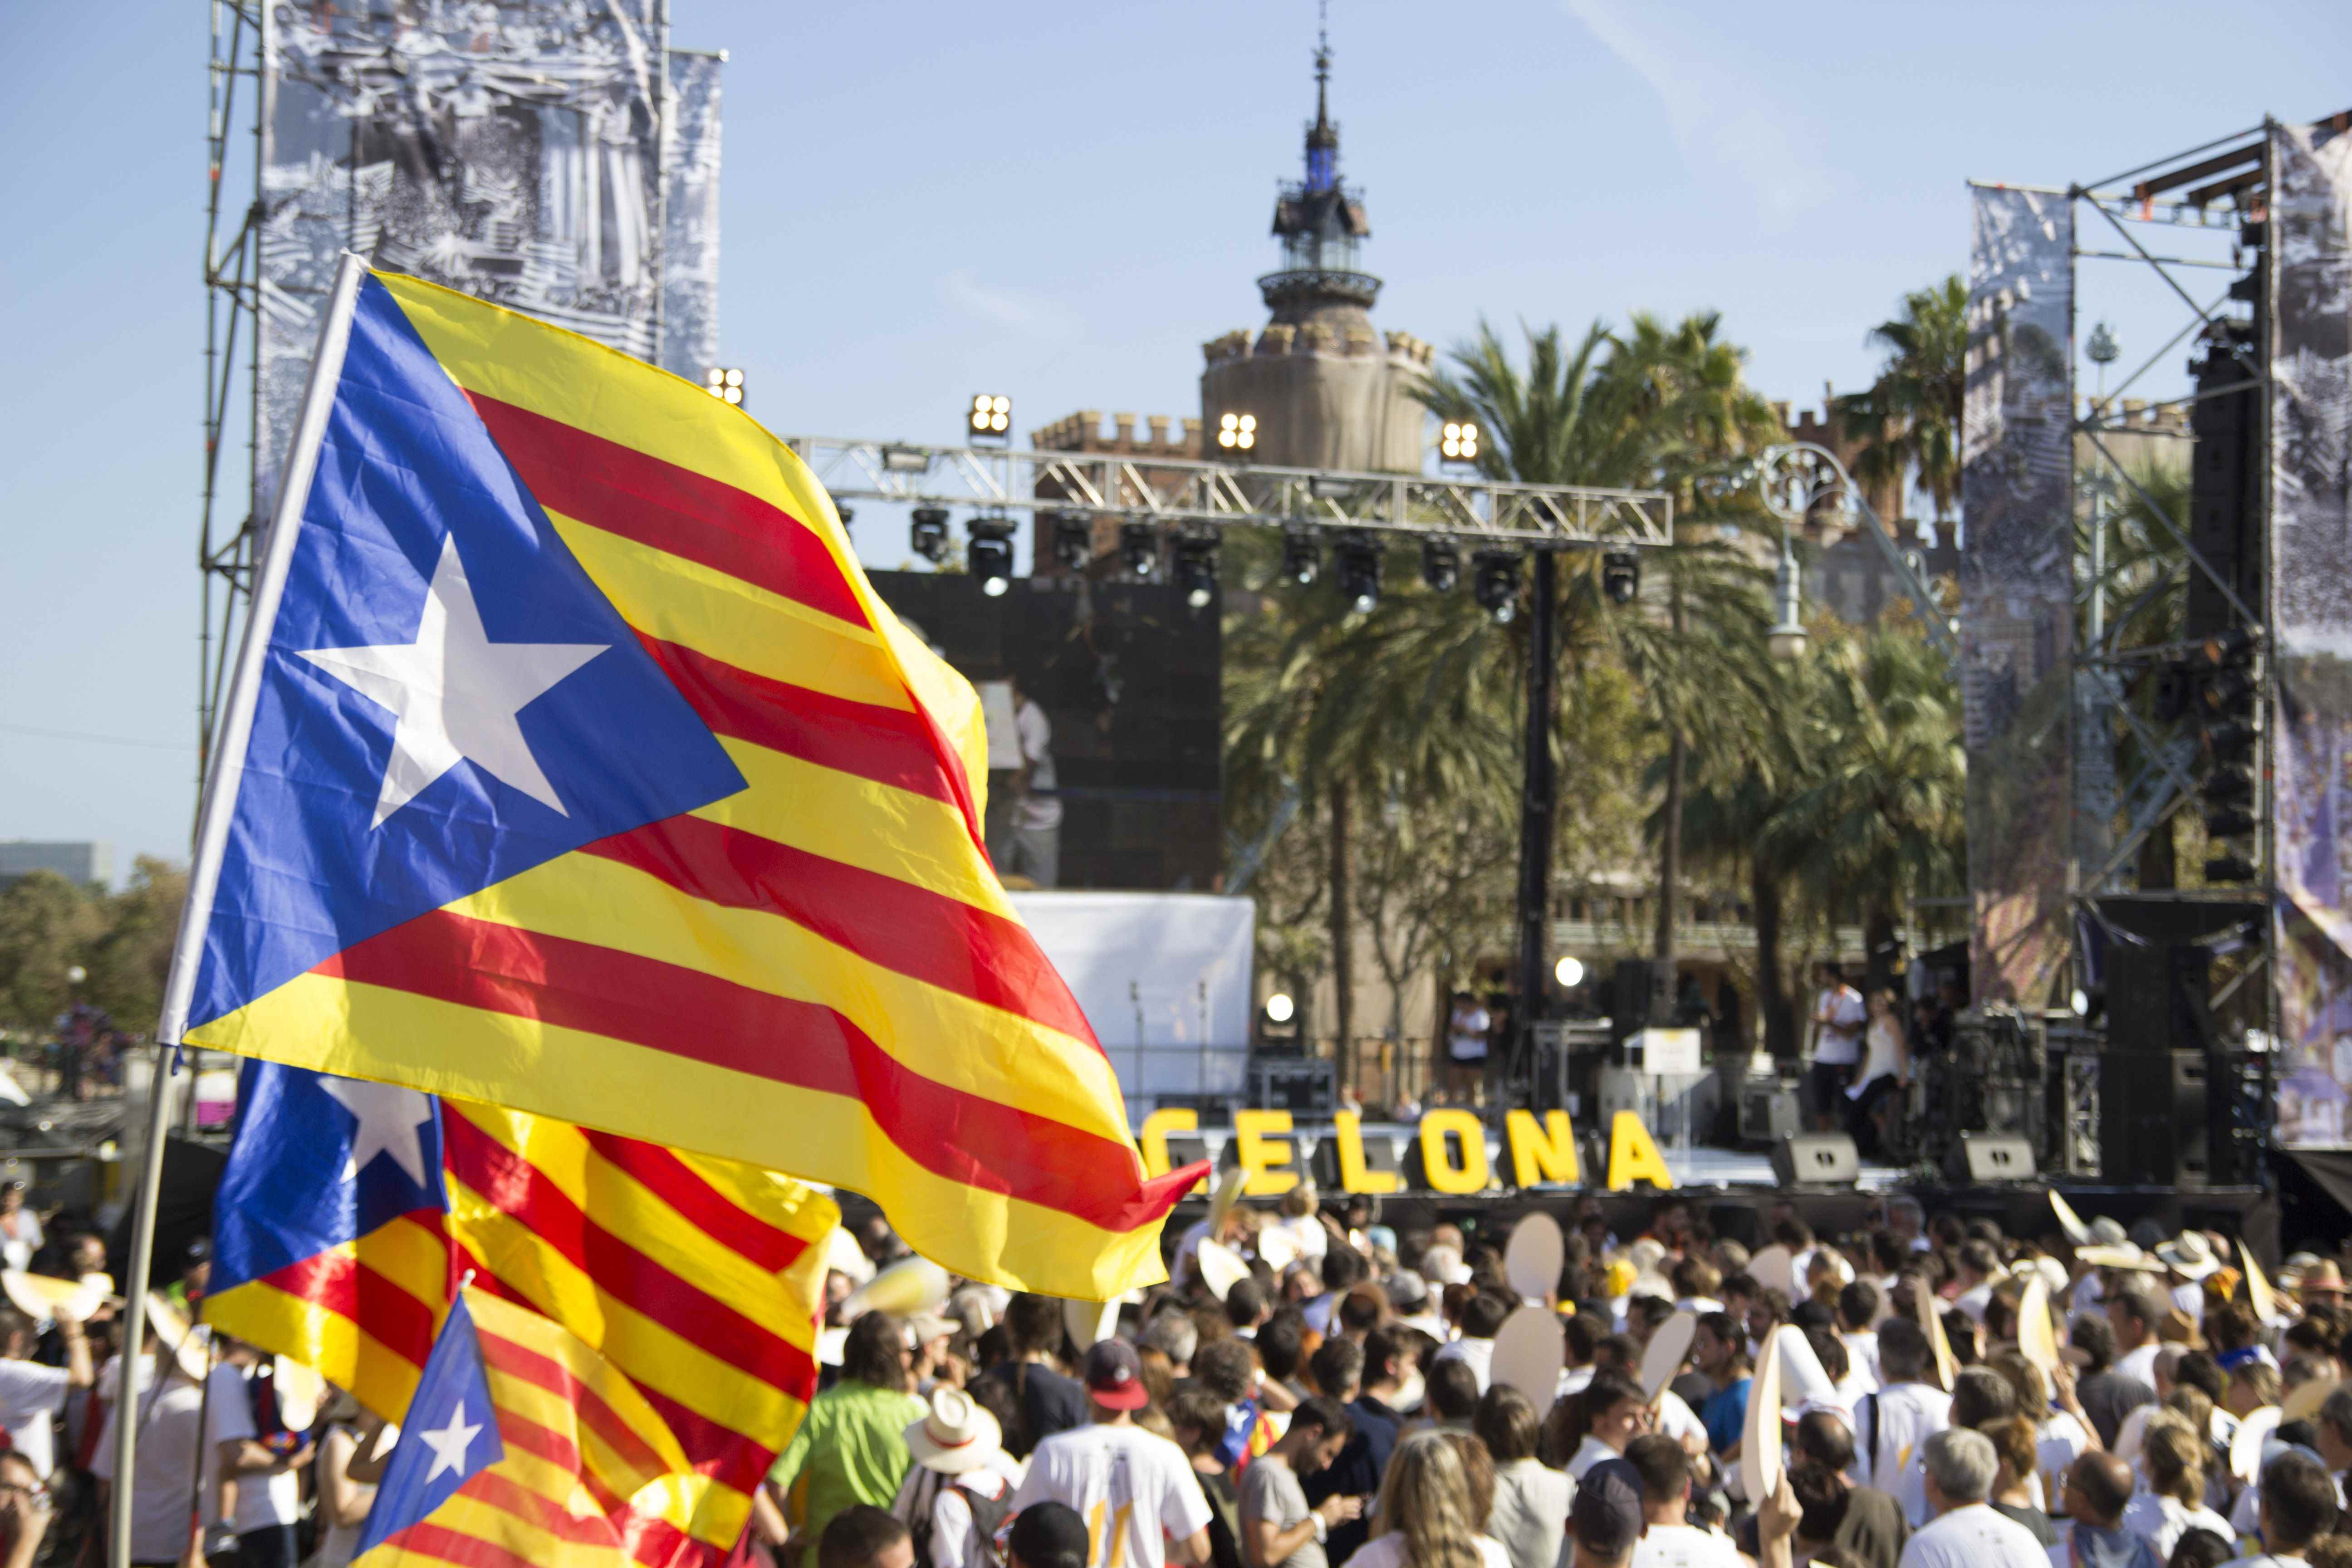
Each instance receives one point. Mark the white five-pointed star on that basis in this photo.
(450, 1443)
(390, 1118)
(456, 693)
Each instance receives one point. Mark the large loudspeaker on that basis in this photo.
(2154, 1119)
(1769, 1112)
(1984, 1157)
(1816, 1159)
(2225, 495)
(2157, 998)
(1629, 998)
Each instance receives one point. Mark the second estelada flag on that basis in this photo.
(571, 763)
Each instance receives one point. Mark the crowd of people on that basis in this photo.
(1311, 1391)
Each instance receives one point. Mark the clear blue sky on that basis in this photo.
(1064, 203)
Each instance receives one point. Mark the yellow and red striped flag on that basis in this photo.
(526, 1447)
(574, 764)
(347, 1207)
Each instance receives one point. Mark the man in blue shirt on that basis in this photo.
(1719, 1348)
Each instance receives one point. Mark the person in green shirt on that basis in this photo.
(852, 1445)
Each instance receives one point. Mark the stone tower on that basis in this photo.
(1327, 389)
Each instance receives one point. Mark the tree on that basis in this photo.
(1909, 420)
(47, 925)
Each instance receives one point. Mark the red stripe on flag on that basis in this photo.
(712, 1449)
(381, 1309)
(925, 935)
(509, 1497)
(673, 509)
(666, 1007)
(521, 1361)
(895, 746)
(427, 1539)
(516, 1187)
(702, 1206)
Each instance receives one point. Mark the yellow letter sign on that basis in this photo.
(1348, 1132)
(1545, 1153)
(1256, 1153)
(1441, 1175)
(1633, 1156)
(1154, 1136)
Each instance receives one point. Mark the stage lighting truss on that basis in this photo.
(1237, 432)
(1360, 572)
(1074, 539)
(928, 533)
(990, 417)
(1495, 584)
(990, 554)
(1621, 577)
(1441, 565)
(1302, 555)
(1196, 568)
(724, 382)
(1458, 443)
(1138, 549)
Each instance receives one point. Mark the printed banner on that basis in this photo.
(2311, 627)
(2017, 610)
(513, 151)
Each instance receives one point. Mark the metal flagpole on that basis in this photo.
(214, 814)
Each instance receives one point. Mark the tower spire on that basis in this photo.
(1322, 137)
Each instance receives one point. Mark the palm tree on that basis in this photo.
(1909, 420)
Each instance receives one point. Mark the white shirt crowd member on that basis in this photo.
(1974, 1536)
(1388, 1552)
(1683, 1546)
(160, 1499)
(955, 1538)
(264, 1498)
(1894, 1424)
(2164, 1520)
(1476, 1354)
(30, 1396)
(1128, 1486)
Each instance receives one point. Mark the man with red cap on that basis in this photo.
(1136, 1493)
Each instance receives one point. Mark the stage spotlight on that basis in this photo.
(2078, 1002)
(929, 533)
(991, 416)
(1280, 1008)
(724, 382)
(2230, 822)
(1621, 577)
(1237, 432)
(1459, 443)
(1441, 565)
(990, 554)
(1495, 583)
(1196, 569)
(1360, 572)
(1302, 555)
(2231, 740)
(1569, 970)
(1074, 539)
(2230, 786)
(1139, 548)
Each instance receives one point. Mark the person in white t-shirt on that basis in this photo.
(31, 1394)
(256, 1490)
(1035, 849)
(2135, 1315)
(1839, 1017)
(20, 1228)
(1892, 1424)
(1967, 1533)
(2173, 1455)
(1668, 1538)
(1424, 1520)
(1137, 1492)
(1615, 1413)
(165, 1486)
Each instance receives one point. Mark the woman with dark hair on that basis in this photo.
(1530, 1512)
(851, 1444)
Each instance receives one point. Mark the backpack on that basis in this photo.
(988, 1515)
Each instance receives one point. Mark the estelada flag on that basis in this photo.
(571, 763)
(523, 1447)
(348, 1210)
